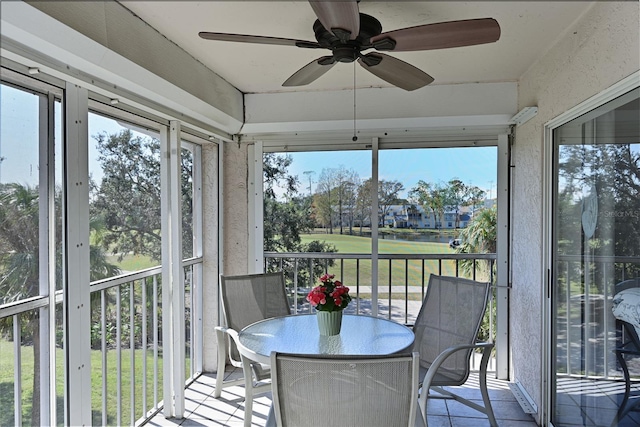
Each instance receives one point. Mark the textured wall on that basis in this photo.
(599, 50)
(235, 203)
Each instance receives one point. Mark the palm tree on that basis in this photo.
(19, 265)
(479, 237)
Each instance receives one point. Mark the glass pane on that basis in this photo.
(319, 202)
(124, 168)
(58, 192)
(19, 198)
(187, 202)
(21, 223)
(596, 256)
(432, 201)
(19, 371)
(59, 331)
(125, 236)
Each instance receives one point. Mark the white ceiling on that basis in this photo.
(528, 30)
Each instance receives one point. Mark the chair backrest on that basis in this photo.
(344, 391)
(249, 298)
(451, 315)
(625, 306)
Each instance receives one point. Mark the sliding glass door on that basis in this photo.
(595, 254)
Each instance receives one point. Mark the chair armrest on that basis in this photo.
(223, 334)
(627, 348)
(442, 357)
(260, 371)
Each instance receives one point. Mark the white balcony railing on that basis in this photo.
(126, 347)
(402, 280)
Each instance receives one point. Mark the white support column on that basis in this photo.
(502, 250)
(47, 258)
(167, 308)
(256, 209)
(177, 272)
(221, 224)
(77, 318)
(196, 280)
(173, 323)
(374, 227)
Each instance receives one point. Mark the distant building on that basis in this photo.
(411, 216)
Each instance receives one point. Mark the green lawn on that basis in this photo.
(396, 272)
(7, 392)
(132, 262)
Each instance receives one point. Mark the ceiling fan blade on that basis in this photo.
(340, 17)
(244, 38)
(395, 71)
(310, 72)
(440, 35)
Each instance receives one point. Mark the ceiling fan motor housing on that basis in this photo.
(344, 49)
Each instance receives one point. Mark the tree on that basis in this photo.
(345, 180)
(285, 220)
(611, 171)
(388, 192)
(128, 198)
(336, 196)
(431, 197)
(455, 195)
(325, 199)
(475, 197)
(480, 237)
(362, 210)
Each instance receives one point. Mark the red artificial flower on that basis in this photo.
(338, 293)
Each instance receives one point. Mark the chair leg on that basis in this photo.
(248, 391)
(222, 356)
(486, 354)
(622, 411)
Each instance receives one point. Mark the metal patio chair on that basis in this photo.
(446, 331)
(345, 391)
(247, 299)
(625, 308)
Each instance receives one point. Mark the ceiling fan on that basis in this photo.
(345, 31)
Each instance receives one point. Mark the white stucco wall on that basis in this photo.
(599, 50)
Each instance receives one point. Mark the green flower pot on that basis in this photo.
(329, 322)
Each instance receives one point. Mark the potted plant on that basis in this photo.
(329, 299)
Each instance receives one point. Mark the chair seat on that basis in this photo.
(260, 372)
(444, 377)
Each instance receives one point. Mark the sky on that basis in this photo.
(472, 165)
(19, 137)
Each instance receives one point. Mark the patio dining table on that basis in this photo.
(359, 335)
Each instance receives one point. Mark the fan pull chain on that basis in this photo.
(355, 138)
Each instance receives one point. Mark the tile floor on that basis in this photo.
(593, 403)
(203, 410)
